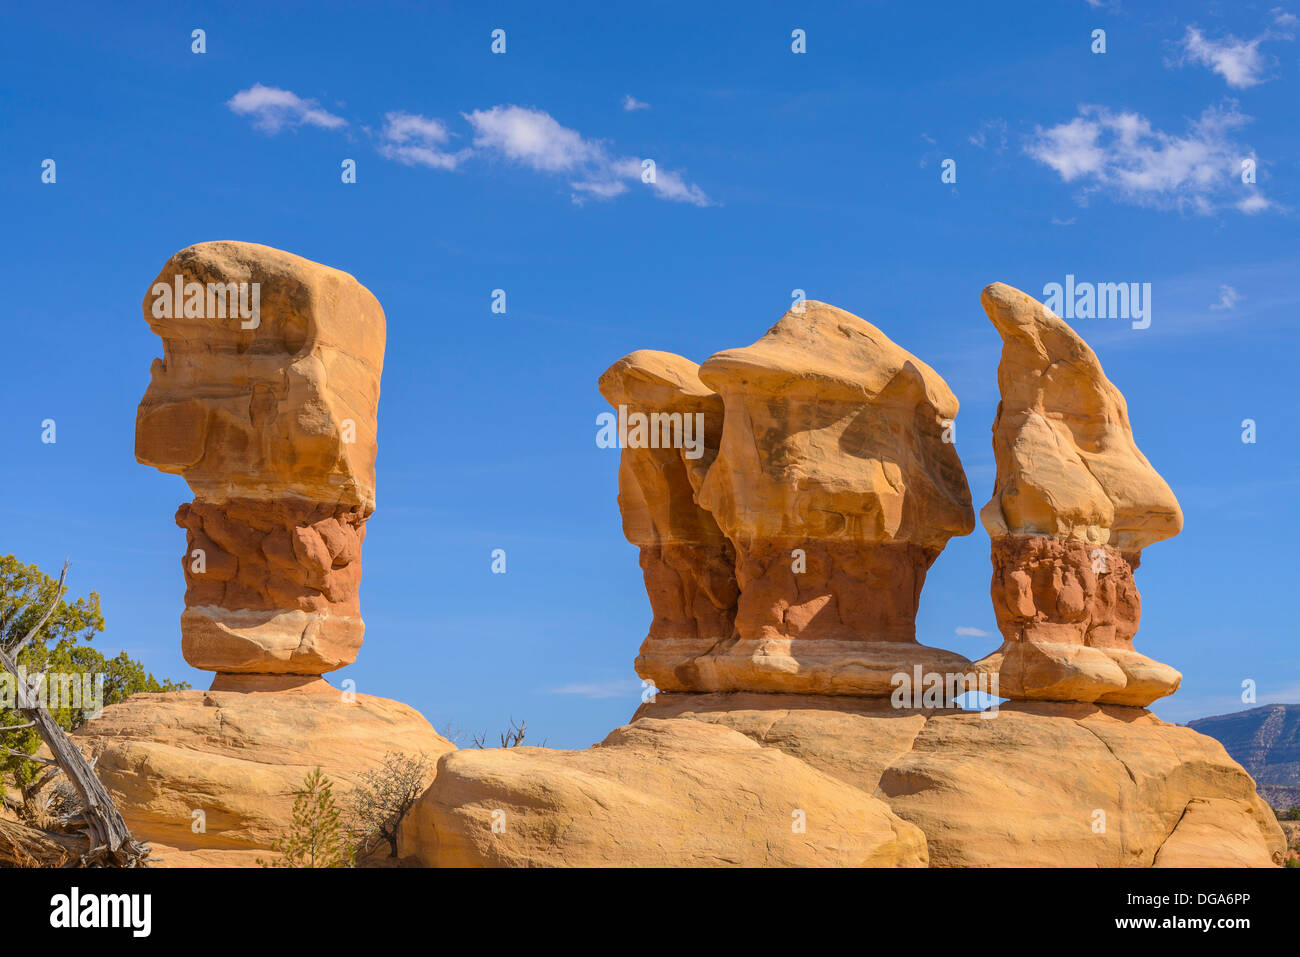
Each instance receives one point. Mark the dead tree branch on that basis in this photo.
(111, 843)
(23, 846)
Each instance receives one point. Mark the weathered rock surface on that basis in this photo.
(836, 487)
(688, 564)
(1067, 463)
(258, 411)
(1074, 504)
(237, 753)
(1214, 830)
(654, 793)
(265, 401)
(1023, 788)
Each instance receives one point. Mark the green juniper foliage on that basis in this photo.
(317, 837)
(61, 648)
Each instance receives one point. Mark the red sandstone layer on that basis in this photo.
(1045, 589)
(286, 554)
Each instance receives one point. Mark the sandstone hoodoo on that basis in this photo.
(1074, 504)
(838, 485)
(268, 410)
(265, 401)
(688, 564)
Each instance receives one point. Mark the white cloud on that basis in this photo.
(1239, 62)
(529, 137)
(1254, 203)
(1122, 155)
(606, 189)
(533, 138)
(1062, 222)
(417, 141)
(602, 689)
(969, 632)
(672, 187)
(1283, 18)
(1228, 298)
(272, 109)
(631, 104)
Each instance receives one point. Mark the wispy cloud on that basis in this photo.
(968, 632)
(417, 141)
(1227, 298)
(1124, 157)
(527, 137)
(273, 109)
(534, 139)
(1282, 18)
(631, 104)
(621, 688)
(1254, 203)
(1239, 62)
(992, 134)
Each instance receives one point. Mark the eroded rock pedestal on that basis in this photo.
(265, 400)
(838, 485)
(787, 553)
(1074, 504)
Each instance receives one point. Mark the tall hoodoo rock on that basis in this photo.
(265, 400)
(836, 486)
(673, 424)
(1074, 504)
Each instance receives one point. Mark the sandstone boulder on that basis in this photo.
(1040, 784)
(653, 794)
(237, 755)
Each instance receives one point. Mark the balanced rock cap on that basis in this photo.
(649, 379)
(825, 352)
(657, 485)
(832, 431)
(1067, 464)
(276, 397)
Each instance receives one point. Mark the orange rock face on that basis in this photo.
(788, 554)
(688, 564)
(1074, 504)
(265, 400)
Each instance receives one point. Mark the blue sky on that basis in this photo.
(776, 171)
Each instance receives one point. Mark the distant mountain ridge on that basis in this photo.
(1264, 740)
